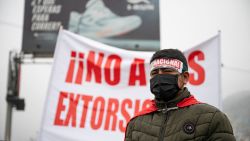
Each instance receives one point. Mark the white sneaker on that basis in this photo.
(98, 21)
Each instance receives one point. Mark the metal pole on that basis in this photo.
(8, 122)
(12, 97)
(11, 69)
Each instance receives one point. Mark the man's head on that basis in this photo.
(169, 73)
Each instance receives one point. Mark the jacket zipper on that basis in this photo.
(163, 128)
(165, 121)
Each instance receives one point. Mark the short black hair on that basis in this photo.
(171, 54)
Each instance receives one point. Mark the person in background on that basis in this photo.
(175, 114)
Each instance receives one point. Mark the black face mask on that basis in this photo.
(164, 86)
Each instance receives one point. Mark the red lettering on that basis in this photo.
(101, 102)
(93, 66)
(111, 111)
(86, 100)
(71, 68)
(80, 69)
(116, 60)
(72, 110)
(113, 105)
(60, 108)
(141, 77)
(196, 67)
(122, 124)
(112, 69)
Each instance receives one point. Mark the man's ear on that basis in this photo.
(185, 77)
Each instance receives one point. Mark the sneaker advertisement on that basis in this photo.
(127, 24)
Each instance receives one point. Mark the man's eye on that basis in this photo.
(153, 72)
(165, 70)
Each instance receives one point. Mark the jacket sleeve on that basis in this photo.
(129, 129)
(220, 128)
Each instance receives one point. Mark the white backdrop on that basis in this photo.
(183, 25)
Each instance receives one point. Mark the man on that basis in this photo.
(175, 115)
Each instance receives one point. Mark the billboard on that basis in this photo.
(128, 24)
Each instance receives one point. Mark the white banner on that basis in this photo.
(204, 68)
(95, 88)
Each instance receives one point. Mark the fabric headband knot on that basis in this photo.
(167, 63)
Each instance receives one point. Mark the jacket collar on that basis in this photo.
(184, 99)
